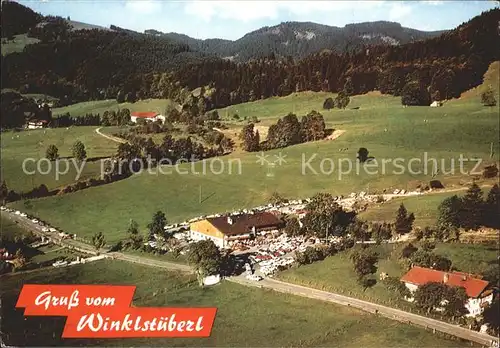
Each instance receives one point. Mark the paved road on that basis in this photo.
(388, 312)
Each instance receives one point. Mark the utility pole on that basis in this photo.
(491, 150)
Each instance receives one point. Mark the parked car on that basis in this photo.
(45, 229)
(254, 277)
(60, 263)
(24, 214)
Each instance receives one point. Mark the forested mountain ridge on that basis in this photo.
(300, 39)
(441, 67)
(79, 65)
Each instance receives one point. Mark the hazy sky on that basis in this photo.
(232, 19)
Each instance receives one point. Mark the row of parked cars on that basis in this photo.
(17, 212)
(45, 227)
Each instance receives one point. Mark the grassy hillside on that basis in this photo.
(17, 44)
(32, 144)
(389, 131)
(245, 317)
(424, 207)
(99, 106)
(9, 229)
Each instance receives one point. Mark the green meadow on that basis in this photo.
(17, 44)
(100, 106)
(32, 144)
(246, 317)
(425, 207)
(389, 131)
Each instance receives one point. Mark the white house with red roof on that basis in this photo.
(148, 116)
(474, 286)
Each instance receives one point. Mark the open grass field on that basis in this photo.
(178, 132)
(389, 131)
(425, 207)
(17, 44)
(9, 229)
(246, 317)
(326, 274)
(100, 106)
(16, 147)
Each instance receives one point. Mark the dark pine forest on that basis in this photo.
(81, 65)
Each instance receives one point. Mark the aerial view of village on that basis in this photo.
(250, 173)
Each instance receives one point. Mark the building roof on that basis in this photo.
(243, 223)
(420, 276)
(144, 114)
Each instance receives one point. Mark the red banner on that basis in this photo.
(106, 311)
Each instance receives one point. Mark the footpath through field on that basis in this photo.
(111, 137)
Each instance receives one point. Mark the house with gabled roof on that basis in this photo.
(475, 287)
(147, 116)
(224, 229)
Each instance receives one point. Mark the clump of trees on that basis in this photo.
(134, 239)
(433, 296)
(52, 152)
(415, 93)
(287, 131)
(491, 316)
(363, 154)
(364, 262)
(8, 195)
(78, 151)
(394, 284)
(98, 241)
(250, 138)
(325, 217)
(114, 118)
(277, 198)
(157, 225)
(470, 211)
(292, 227)
(328, 104)
(310, 255)
(422, 256)
(205, 258)
(341, 100)
(488, 98)
(404, 220)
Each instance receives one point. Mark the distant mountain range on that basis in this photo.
(300, 39)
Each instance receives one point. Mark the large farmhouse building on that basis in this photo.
(147, 116)
(223, 230)
(475, 288)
